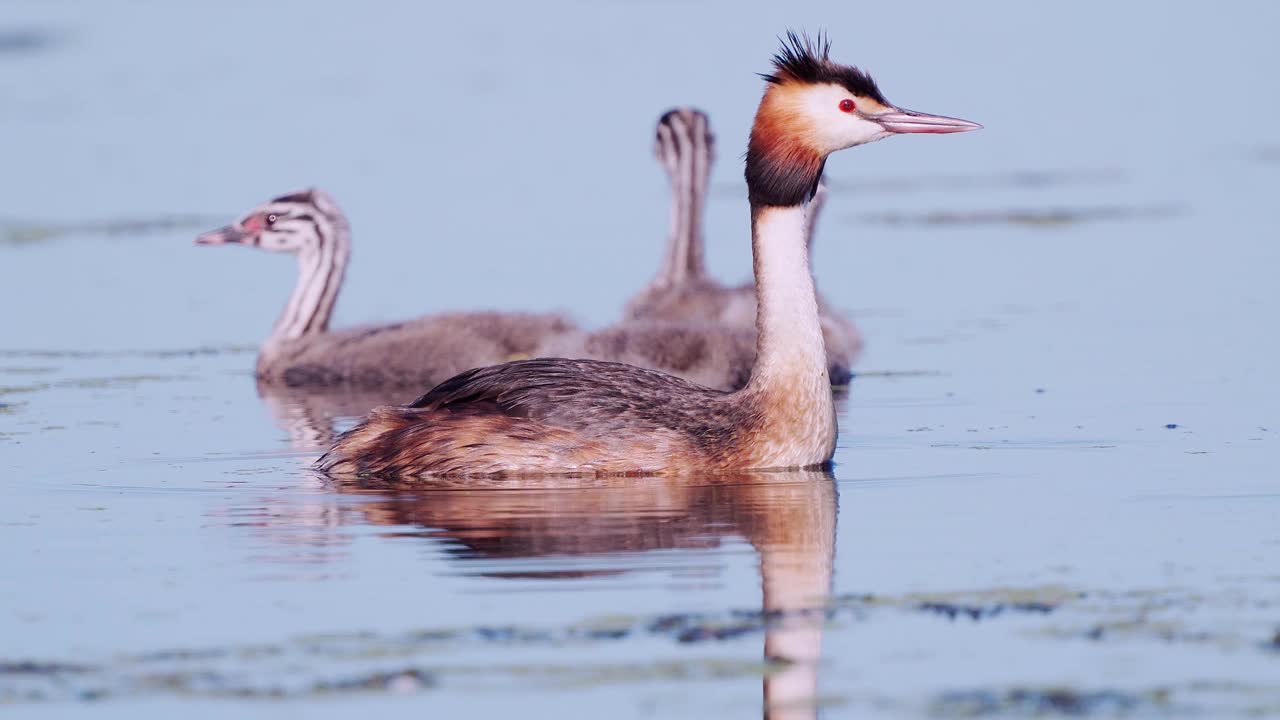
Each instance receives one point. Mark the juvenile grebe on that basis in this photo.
(683, 291)
(590, 417)
(710, 355)
(302, 351)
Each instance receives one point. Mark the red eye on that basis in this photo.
(848, 105)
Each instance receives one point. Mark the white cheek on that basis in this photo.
(859, 131)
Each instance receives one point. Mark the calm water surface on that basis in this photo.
(1056, 489)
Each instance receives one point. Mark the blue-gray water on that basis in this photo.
(1057, 477)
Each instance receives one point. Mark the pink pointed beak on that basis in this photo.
(228, 235)
(909, 121)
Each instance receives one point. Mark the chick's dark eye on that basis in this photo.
(271, 219)
(848, 105)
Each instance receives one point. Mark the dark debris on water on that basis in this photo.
(31, 667)
(1273, 644)
(405, 681)
(1046, 702)
(349, 662)
(26, 40)
(270, 670)
(1038, 217)
(952, 610)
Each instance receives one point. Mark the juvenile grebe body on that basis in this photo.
(708, 354)
(591, 417)
(303, 351)
(683, 291)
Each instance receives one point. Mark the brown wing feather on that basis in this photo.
(591, 396)
(545, 415)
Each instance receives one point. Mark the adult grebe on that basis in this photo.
(302, 351)
(683, 291)
(590, 417)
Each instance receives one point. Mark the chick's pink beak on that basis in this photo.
(222, 236)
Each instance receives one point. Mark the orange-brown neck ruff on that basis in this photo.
(784, 163)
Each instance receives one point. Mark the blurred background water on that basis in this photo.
(1056, 489)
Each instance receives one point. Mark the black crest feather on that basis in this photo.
(807, 60)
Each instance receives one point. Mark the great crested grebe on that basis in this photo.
(683, 291)
(302, 351)
(554, 416)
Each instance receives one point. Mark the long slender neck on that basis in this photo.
(790, 346)
(790, 387)
(321, 267)
(689, 172)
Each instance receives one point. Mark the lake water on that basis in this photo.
(1057, 489)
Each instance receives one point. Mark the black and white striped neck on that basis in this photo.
(325, 248)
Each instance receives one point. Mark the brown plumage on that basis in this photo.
(714, 356)
(303, 351)
(552, 415)
(590, 417)
(684, 293)
(410, 354)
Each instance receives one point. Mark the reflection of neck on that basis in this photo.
(795, 568)
(320, 270)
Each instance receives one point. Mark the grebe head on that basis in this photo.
(683, 133)
(293, 223)
(813, 107)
